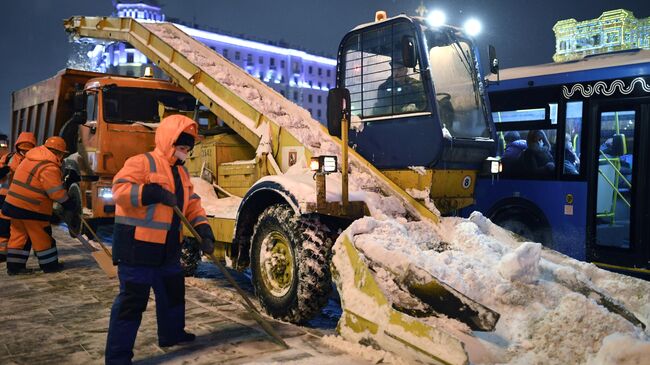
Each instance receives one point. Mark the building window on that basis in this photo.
(249, 59)
(295, 95)
(295, 80)
(282, 92)
(311, 84)
(309, 98)
(319, 113)
(295, 67)
(320, 85)
(320, 71)
(328, 85)
(225, 52)
(213, 48)
(310, 111)
(282, 64)
(260, 60)
(129, 57)
(272, 63)
(310, 70)
(319, 99)
(329, 73)
(237, 56)
(282, 79)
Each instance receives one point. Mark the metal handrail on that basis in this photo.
(608, 159)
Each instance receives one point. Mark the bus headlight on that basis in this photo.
(105, 193)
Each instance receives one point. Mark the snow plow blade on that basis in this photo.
(369, 318)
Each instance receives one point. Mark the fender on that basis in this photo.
(259, 197)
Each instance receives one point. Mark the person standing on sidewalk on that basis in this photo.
(147, 239)
(8, 164)
(36, 184)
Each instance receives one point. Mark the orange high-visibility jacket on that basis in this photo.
(36, 183)
(152, 222)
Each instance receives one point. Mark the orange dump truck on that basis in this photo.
(105, 119)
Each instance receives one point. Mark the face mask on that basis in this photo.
(541, 143)
(180, 155)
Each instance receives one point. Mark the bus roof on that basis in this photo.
(592, 68)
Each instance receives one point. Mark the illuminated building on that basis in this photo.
(614, 30)
(301, 77)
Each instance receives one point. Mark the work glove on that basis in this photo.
(155, 194)
(4, 170)
(208, 241)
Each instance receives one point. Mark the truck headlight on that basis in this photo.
(105, 193)
(323, 164)
(492, 165)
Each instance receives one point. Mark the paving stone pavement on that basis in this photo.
(62, 318)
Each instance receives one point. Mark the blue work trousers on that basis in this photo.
(168, 283)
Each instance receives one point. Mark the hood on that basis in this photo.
(41, 153)
(169, 130)
(25, 137)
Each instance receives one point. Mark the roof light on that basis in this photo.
(380, 16)
(436, 18)
(472, 27)
(148, 72)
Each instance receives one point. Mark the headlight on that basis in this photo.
(105, 193)
(492, 165)
(323, 164)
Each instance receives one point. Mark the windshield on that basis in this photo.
(129, 104)
(454, 71)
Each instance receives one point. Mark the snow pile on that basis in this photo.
(547, 301)
(213, 205)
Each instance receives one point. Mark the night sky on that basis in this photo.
(35, 46)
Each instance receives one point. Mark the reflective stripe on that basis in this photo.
(63, 199)
(29, 187)
(47, 261)
(22, 197)
(152, 162)
(46, 252)
(195, 196)
(134, 195)
(55, 189)
(142, 223)
(34, 170)
(119, 181)
(17, 260)
(198, 220)
(18, 252)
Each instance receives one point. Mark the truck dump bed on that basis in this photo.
(44, 107)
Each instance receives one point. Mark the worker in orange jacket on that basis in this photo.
(35, 186)
(147, 238)
(8, 164)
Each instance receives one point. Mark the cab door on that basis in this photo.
(619, 203)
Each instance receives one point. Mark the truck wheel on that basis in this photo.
(73, 218)
(190, 256)
(290, 264)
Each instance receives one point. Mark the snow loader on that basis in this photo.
(415, 142)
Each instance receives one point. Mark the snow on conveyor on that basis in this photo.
(544, 320)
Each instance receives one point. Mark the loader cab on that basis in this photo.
(417, 95)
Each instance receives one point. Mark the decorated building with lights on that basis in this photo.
(301, 77)
(614, 30)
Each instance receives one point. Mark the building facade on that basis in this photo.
(614, 30)
(301, 77)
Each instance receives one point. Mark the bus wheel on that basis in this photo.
(525, 224)
(290, 264)
(190, 256)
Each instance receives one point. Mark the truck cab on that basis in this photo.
(419, 110)
(121, 115)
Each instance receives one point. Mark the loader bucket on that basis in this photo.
(369, 318)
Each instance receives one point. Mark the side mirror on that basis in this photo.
(494, 61)
(338, 105)
(409, 54)
(79, 101)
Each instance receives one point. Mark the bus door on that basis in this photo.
(619, 203)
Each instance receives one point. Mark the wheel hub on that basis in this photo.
(276, 263)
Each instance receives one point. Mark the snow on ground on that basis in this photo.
(544, 317)
(548, 302)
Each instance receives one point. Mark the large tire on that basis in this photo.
(525, 224)
(290, 264)
(190, 256)
(73, 218)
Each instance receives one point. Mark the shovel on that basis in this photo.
(103, 257)
(247, 303)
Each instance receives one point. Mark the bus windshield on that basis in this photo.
(454, 71)
(128, 104)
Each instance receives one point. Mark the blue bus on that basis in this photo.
(574, 141)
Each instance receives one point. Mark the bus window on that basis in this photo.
(526, 115)
(529, 153)
(614, 190)
(571, 154)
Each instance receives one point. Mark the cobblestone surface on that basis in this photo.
(62, 318)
